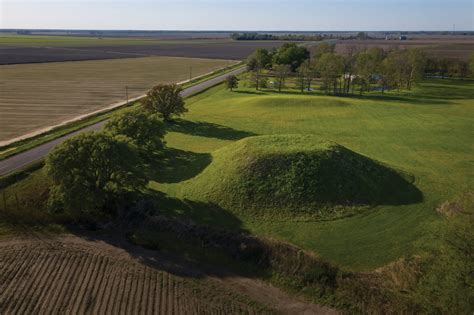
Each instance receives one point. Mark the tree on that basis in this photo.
(306, 72)
(350, 59)
(260, 59)
(394, 69)
(291, 54)
(282, 71)
(458, 69)
(416, 63)
(166, 100)
(471, 65)
(368, 64)
(145, 130)
(88, 170)
(232, 82)
(331, 68)
(321, 49)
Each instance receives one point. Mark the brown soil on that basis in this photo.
(70, 274)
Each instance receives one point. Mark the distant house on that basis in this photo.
(402, 37)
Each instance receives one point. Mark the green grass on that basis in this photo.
(296, 177)
(78, 41)
(426, 132)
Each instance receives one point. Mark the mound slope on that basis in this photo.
(297, 173)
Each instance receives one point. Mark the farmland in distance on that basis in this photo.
(35, 96)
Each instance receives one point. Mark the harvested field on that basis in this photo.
(235, 50)
(36, 96)
(217, 49)
(69, 275)
(20, 55)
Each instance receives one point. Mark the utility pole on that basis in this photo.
(126, 93)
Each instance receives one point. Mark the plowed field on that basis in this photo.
(79, 277)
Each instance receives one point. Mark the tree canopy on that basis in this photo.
(145, 130)
(291, 54)
(89, 169)
(165, 100)
(232, 82)
(260, 59)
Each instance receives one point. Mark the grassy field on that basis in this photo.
(41, 95)
(426, 132)
(78, 41)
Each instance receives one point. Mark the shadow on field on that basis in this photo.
(413, 100)
(250, 92)
(205, 129)
(203, 212)
(176, 165)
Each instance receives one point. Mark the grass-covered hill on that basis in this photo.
(279, 175)
(426, 133)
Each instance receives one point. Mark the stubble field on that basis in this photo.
(36, 96)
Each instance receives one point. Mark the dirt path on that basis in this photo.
(97, 265)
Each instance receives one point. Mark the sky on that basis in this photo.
(291, 15)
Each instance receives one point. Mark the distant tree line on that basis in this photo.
(286, 37)
(445, 67)
(357, 71)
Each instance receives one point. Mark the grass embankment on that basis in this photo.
(24, 145)
(296, 177)
(426, 132)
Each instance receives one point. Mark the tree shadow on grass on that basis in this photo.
(412, 99)
(251, 92)
(206, 129)
(174, 165)
(206, 213)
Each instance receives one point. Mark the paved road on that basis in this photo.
(25, 158)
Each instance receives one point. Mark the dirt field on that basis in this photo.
(35, 96)
(72, 275)
(217, 49)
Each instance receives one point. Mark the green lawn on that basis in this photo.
(78, 41)
(426, 132)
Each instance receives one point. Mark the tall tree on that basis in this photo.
(306, 74)
(320, 49)
(166, 100)
(331, 69)
(416, 63)
(368, 65)
(282, 72)
(291, 54)
(145, 130)
(88, 171)
(471, 65)
(260, 59)
(395, 69)
(232, 82)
